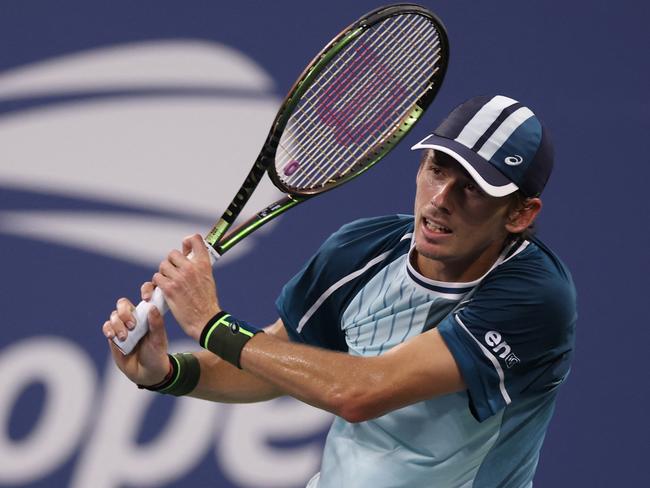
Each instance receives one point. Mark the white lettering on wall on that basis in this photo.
(69, 378)
(255, 461)
(101, 421)
(112, 458)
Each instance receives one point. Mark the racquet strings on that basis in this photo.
(358, 101)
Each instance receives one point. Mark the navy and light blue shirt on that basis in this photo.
(511, 333)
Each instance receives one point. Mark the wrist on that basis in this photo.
(182, 377)
(199, 324)
(226, 336)
(150, 385)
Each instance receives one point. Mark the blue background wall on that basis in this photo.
(581, 65)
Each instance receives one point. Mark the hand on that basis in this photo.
(188, 286)
(148, 363)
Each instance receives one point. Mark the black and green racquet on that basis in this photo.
(350, 107)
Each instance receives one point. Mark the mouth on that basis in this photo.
(435, 227)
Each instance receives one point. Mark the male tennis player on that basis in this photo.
(438, 340)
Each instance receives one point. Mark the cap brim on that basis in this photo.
(490, 179)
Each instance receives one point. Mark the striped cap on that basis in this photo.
(501, 144)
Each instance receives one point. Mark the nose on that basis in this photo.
(442, 197)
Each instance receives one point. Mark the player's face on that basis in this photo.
(459, 229)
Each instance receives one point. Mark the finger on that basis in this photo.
(168, 269)
(107, 330)
(196, 245)
(146, 290)
(162, 282)
(119, 328)
(176, 258)
(157, 329)
(125, 312)
(156, 326)
(187, 246)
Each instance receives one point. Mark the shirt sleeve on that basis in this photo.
(312, 302)
(514, 337)
(302, 293)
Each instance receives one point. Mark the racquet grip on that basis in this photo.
(141, 323)
(142, 310)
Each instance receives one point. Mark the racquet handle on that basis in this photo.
(141, 323)
(142, 310)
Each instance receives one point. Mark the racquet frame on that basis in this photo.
(217, 237)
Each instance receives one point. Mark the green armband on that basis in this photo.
(226, 336)
(183, 376)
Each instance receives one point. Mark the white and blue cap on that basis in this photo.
(500, 142)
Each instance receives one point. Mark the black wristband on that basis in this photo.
(185, 371)
(226, 336)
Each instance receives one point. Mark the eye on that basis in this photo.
(473, 189)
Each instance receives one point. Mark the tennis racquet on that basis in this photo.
(351, 105)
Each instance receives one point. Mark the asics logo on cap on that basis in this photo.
(500, 142)
(514, 160)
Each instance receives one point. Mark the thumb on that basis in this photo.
(157, 327)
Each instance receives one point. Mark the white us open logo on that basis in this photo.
(223, 84)
(75, 426)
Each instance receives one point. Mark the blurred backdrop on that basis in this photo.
(125, 126)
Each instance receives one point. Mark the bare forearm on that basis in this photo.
(328, 380)
(352, 387)
(222, 382)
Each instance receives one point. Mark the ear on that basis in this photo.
(523, 215)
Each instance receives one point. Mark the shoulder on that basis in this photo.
(534, 275)
(384, 228)
(311, 303)
(532, 292)
(368, 237)
(517, 329)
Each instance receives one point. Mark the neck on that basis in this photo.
(451, 270)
